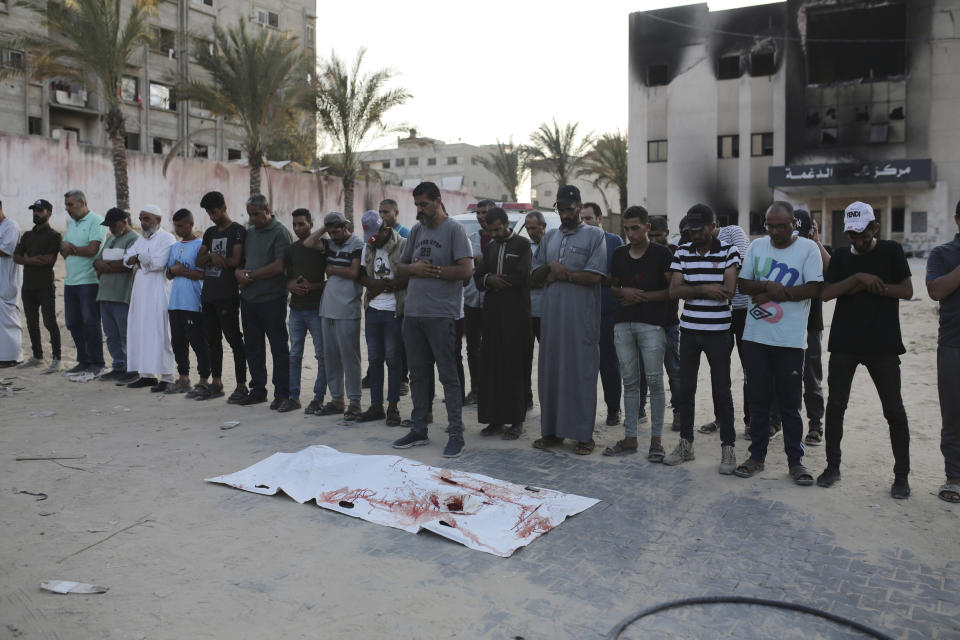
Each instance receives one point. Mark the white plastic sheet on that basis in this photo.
(480, 512)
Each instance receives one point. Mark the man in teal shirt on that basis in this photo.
(80, 247)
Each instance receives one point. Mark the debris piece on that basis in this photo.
(230, 425)
(40, 496)
(41, 414)
(142, 520)
(68, 586)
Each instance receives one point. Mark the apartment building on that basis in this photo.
(817, 102)
(154, 120)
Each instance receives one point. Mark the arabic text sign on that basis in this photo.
(887, 172)
(480, 512)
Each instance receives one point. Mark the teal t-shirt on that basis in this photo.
(781, 324)
(80, 233)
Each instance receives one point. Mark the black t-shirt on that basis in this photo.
(647, 273)
(298, 260)
(221, 284)
(39, 241)
(865, 323)
(815, 319)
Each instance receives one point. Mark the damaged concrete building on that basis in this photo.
(817, 102)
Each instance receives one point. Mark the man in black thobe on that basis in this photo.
(504, 274)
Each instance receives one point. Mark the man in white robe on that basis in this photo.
(11, 277)
(148, 325)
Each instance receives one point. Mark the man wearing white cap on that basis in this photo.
(867, 279)
(148, 324)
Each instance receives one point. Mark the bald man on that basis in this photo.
(148, 325)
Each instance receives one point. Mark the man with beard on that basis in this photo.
(148, 325)
(473, 302)
(37, 252)
(571, 262)
(116, 282)
(80, 246)
(536, 226)
(11, 276)
(504, 275)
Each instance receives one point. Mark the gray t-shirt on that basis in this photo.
(341, 296)
(441, 246)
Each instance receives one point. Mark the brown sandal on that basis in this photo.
(585, 448)
(547, 441)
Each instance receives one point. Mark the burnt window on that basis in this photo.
(897, 219)
(728, 146)
(201, 151)
(762, 63)
(879, 133)
(832, 57)
(161, 145)
(761, 144)
(234, 154)
(131, 141)
(657, 75)
(34, 126)
(828, 136)
(728, 67)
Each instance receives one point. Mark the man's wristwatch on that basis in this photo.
(246, 275)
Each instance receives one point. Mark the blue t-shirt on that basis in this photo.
(185, 293)
(781, 324)
(402, 230)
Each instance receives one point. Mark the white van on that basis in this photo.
(516, 216)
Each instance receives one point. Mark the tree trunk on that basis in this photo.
(348, 198)
(114, 125)
(623, 200)
(255, 159)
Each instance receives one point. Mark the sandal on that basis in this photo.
(330, 409)
(547, 441)
(238, 396)
(748, 469)
(585, 448)
(512, 433)
(949, 492)
(370, 415)
(800, 475)
(656, 453)
(619, 449)
(393, 417)
(212, 391)
(814, 438)
(178, 387)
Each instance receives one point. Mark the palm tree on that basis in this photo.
(557, 150)
(89, 41)
(606, 162)
(259, 80)
(508, 164)
(351, 108)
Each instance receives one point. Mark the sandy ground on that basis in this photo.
(198, 560)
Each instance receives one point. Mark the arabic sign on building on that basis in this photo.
(892, 171)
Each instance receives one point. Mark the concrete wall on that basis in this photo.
(35, 167)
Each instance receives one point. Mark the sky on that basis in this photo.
(482, 72)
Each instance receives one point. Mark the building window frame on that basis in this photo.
(267, 18)
(761, 144)
(728, 146)
(413, 162)
(656, 151)
(431, 162)
(918, 222)
(161, 97)
(452, 160)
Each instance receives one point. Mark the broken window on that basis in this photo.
(131, 141)
(881, 55)
(657, 75)
(897, 219)
(762, 63)
(728, 67)
(35, 126)
(828, 135)
(234, 154)
(879, 133)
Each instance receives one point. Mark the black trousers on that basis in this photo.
(186, 329)
(35, 303)
(472, 331)
(534, 334)
(221, 319)
(885, 372)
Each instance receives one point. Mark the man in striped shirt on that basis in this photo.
(705, 276)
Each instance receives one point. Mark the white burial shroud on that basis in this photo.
(480, 512)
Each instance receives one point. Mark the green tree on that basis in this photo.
(606, 163)
(259, 80)
(351, 107)
(558, 150)
(89, 41)
(508, 164)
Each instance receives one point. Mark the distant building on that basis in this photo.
(543, 193)
(818, 103)
(153, 119)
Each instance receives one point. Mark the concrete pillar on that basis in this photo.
(743, 166)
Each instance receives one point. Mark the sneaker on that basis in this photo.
(313, 407)
(470, 399)
(253, 398)
(374, 413)
(126, 378)
(710, 427)
(29, 363)
(829, 477)
(80, 368)
(275, 404)
(161, 387)
(142, 383)
(238, 396)
(111, 375)
(289, 404)
(613, 418)
(412, 439)
(455, 446)
(683, 453)
(901, 488)
(728, 460)
(53, 368)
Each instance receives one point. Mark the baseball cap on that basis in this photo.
(371, 224)
(116, 214)
(212, 200)
(698, 217)
(334, 219)
(857, 217)
(41, 204)
(804, 222)
(151, 208)
(568, 194)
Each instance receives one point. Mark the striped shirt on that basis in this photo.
(735, 235)
(703, 314)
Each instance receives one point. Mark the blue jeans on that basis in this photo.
(263, 321)
(716, 346)
(302, 321)
(640, 349)
(774, 370)
(114, 317)
(83, 321)
(671, 362)
(429, 341)
(384, 333)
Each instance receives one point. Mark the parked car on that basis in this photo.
(515, 216)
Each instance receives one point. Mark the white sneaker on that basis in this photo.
(32, 362)
(99, 371)
(53, 368)
(728, 460)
